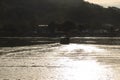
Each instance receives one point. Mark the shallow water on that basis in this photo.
(76, 61)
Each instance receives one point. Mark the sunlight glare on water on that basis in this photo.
(74, 47)
(84, 70)
(74, 61)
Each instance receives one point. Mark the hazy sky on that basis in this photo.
(106, 3)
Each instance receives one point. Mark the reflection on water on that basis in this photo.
(85, 70)
(74, 47)
(61, 62)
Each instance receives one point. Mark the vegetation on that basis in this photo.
(75, 17)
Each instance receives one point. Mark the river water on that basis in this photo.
(87, 58)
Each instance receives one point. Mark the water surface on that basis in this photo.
(83, 59)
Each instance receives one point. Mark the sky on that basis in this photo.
(106, 3)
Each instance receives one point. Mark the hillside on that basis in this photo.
(28, 13)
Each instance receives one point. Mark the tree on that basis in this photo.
(67, 26)
(52, 26)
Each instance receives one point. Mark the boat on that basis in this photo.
(65, 40)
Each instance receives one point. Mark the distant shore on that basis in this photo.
(23, 41)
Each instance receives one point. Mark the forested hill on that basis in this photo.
(34, 12)
(44, 11)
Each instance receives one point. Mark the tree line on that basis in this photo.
(20, 17)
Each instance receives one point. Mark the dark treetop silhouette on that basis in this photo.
(21, 17)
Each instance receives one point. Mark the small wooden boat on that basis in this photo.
(65, 40)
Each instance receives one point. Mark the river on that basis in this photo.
(85, 58)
